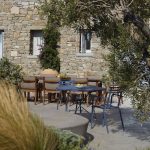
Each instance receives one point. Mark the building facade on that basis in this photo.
(21, 37)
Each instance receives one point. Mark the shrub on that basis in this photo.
(10, 72)
(70, 141)
(19, 129)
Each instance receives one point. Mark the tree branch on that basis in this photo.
(129, 16)
(130, 3)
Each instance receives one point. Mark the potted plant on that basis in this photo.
(64, 77)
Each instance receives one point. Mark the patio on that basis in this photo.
(134, 136)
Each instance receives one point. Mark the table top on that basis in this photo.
(80, 88)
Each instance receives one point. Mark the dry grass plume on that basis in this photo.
(19, 129)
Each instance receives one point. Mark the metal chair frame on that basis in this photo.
(107, 105)
(64, 94)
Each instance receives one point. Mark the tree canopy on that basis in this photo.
(123, 24)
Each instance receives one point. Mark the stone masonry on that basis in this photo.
(19, 17)
(82, 65)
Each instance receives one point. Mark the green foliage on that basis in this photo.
(49, 55)
(70, 141)
(126, 69)
(124, 58)
(10, 72)
(100, 16)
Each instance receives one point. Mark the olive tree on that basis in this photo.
(123, 24)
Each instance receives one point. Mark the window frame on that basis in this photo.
(83, 37)
(32, 33)
(2, 39)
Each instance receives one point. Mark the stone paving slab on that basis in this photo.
(60, 119)
(135, 136)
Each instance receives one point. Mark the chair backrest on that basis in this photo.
(49, 75)
(51, 79)
(94, 81)
(51, 83)
(82, 81)
(29, 79)
(114, 88)
(29, 83)
(109, 96)
(72, 76)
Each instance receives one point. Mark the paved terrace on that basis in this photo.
(135, 136)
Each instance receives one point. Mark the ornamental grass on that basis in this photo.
(19, 129)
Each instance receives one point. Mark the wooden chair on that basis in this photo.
(94, 81)
(28, 85)
(50, 85)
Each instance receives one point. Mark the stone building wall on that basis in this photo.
(19, 17)
(82, 65)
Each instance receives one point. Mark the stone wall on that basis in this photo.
(82, 65)
(18, 17)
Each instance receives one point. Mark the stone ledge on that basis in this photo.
(32, 56)
(84, 55)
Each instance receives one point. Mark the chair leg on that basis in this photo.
(121, 118)
(92, 117)
(59, 100)
(28, 95)
(40, 96)
(105, 120)
(50, 95)
(44, 98)
(25, 95)
(76, 107)
(36, 98)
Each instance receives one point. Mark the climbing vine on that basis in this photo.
(49, 56)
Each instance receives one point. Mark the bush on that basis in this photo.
(10, 72)
(70, 141)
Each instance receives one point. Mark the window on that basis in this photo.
(37, 41)
(1, 43)
(85, 41)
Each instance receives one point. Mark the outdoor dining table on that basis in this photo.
(82, 89)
